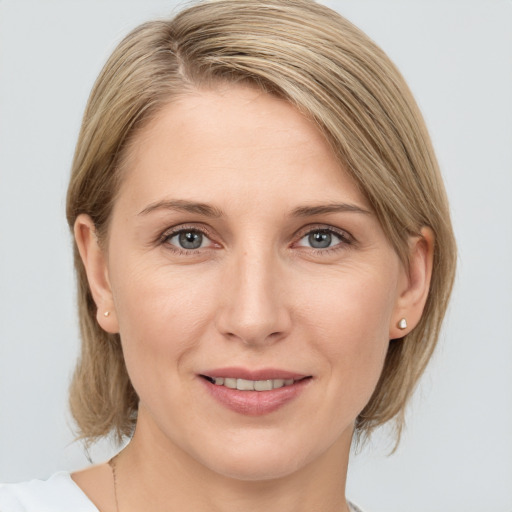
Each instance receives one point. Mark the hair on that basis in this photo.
(312, 57)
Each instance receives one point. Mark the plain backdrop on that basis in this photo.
(456, 453)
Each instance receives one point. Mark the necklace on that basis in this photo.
(112, 464)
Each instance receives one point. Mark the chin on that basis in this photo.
(259, 460)
(257, 469)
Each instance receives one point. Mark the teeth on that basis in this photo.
(229, 383)
(263, 385)
(252, 385)
(245, 385)
(279, 383)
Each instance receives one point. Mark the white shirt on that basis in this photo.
(57, 494)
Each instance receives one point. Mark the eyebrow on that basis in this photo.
(183, 206)
(310, 211)
(211, 211)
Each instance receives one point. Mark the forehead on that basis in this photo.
(234, 140)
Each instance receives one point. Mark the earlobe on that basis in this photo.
(413, 296)
(93, 258)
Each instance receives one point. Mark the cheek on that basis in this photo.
(160, 320)
(149, 293)
(161, 313)
(352, 333)
(353, 308)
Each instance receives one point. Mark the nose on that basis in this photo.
(254, 306)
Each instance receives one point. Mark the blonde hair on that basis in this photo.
(312, 57)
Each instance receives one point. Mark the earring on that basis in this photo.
(402, 324)
(107, 313)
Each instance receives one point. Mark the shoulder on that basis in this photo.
(56, 494)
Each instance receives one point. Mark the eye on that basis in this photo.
(188, 239)
(323, 239)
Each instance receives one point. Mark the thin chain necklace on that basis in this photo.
(112, 464)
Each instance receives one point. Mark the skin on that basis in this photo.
(255, 295)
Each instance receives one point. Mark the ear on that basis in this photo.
(95, 263)
(416, 284)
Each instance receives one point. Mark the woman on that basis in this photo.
(264, 258)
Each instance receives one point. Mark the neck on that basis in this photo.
(153, 470)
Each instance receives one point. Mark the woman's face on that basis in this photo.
(240, 250)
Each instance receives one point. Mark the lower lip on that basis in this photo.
(255, 403)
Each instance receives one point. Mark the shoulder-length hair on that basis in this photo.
(330, 71)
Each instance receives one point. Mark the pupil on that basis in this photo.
(320, 239)
(191, 240)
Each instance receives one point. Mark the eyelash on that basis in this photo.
(345, 239)
(168, 235)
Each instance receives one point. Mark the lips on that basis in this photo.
(254, 392)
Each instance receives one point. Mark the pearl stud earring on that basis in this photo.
(107, 313)
(402, 324)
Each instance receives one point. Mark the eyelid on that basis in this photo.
(346, 238)
(180, 228)
(341, 233)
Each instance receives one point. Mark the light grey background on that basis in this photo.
(457, 57)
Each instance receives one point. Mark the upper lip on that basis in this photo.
(256, 374)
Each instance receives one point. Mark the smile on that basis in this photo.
(257, 396)
(250, 385)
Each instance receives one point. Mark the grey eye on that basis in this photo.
(320, 239)
(190, 239)
(324, 239)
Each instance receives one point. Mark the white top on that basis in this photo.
(57, 494)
